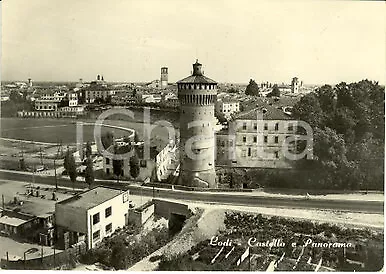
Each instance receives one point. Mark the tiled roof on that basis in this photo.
(197, 79)
(268, 112)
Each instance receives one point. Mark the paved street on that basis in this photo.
(250, 199)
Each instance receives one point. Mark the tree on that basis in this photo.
(252, 88)
(308, 109)
(89, 172)
(66, 159)
(107, 139)
(119, 256)
(22, 164)
(69, 166)
(88, 150)
(275, 92)
(15, 97)
(134, 166)
(117, 164)
(64, 103)
(326, 97)
(136, 138)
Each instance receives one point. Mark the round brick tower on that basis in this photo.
(197, 96)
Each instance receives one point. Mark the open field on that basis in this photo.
(47, 134)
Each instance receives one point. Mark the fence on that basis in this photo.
(59, 258)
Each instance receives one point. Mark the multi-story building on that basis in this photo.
(96, 89)
(91, 216)
(166, 161)
(197, 94)
(47, 104)
(226, 107)
(118, 149)
(257, 138)
(72, 99)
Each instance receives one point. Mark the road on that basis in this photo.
(244, 199)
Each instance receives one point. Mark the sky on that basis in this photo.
(130, 40)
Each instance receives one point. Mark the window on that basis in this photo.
(249, 152)
(96, 235)
(277, 154)
(277, 126)
(265, 139)
(108, 228)
(244, 139)
(108, 212)
(107, 171)
(290, 127)
(244, 126)
(266, 126)
(276, 139)
(107, 161)
(255, 139)
(244, 153)
(255, 126)
(95, 218)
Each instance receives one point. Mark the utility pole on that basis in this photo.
(41, 155)
(56, 179)
(33, 174)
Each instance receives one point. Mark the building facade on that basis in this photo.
(166, 161)
(164, 77)
(47, 104)
(258, 138)
(226, 107)
(197, 95)
(91, 216)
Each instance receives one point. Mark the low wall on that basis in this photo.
(164, 208)
(188, 188)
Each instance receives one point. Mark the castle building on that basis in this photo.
(197, 95)
(257, 138)
(164, 77)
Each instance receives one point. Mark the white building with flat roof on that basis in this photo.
(91, 216)
(227, 107)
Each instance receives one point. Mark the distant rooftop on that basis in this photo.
(92, 197)
(267, 112)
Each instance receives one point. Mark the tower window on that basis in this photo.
(265, 139)
(255, 139)
(266, 126)
(249, 152)
(244, 126)
(276, 139)
(244, 139)
(277, 154)
(277, 126)
(255, 126)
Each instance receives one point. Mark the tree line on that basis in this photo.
(348, 131)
